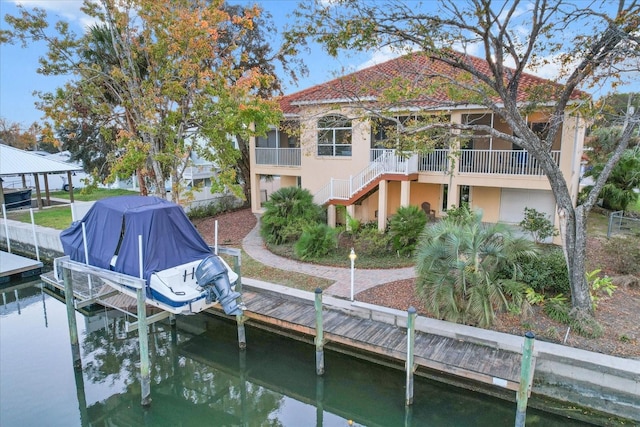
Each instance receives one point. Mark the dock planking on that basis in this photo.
(12, 265)
(459, 357)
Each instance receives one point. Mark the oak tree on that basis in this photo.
(157, 72)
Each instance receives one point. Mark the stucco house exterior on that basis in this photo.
(337, 154)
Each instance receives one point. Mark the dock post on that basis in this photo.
(71, 317)
(143, 339)
(237, 266)
(525, 379)
(411, 338)
(319, 340)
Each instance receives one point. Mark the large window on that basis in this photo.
(388, 133)
(334, 136)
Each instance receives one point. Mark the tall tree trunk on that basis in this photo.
(244, 168)
(576, 254)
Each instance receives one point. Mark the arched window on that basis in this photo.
(334, 136)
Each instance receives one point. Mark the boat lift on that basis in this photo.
(84, 285)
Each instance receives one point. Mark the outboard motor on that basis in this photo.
(212, 275)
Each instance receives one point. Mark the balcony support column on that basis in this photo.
(256, 203)
(453, 195)
(382, 205)
(331, 216)
(405, 193)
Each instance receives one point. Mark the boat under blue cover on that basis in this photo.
(172, 247)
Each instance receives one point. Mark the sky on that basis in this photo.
(18, 66)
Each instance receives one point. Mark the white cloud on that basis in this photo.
(67, 10)
(381, 55)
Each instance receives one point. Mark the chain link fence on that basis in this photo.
(619, 224)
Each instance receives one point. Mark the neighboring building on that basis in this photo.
(338, 155)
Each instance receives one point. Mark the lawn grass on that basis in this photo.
(59, 217)
(100, 193)
(54, 217)
(256, 270)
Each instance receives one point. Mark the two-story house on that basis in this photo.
(336, 152)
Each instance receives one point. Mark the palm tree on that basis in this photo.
(458, 262)
(287, 212)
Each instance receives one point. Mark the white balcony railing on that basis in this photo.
(199, 171)
(435, 161)
(278, 156)
(510, 162)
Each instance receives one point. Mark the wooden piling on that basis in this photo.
(71, 318)
(143, 339)
(319, 401)
(240, 318)
(319, 340)
(525, 379)
(411, 339)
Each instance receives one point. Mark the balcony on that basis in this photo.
(201, 171)
(508, 162)
(278, 156)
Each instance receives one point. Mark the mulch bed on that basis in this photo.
(618, 314)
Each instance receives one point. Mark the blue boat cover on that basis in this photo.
(168, 236)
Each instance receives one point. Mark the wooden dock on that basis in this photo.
(459, 360)
(12, 265)
(380, 341)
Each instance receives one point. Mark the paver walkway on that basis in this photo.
(363, 278)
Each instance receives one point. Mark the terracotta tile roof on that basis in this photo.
(417, 69)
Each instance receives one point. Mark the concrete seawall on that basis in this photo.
(592, 380)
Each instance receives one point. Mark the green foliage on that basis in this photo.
(405, 228)
(599, 285)
(558, 308)
(458, 264)
(618, 193)
(582, 323)
(533, 297)
(287, 212)
(130, 75)
(624, 254)
(222, 204)
(538, 225)
(545, 274)
(316, 240)
(460, 215)
(370, 241)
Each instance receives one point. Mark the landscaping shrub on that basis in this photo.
(405, 228)
(220, 205)
(460, 215)
(458, 264)
(287, 212)
(624, 254)
(538, 225)
(546, 274)
(316, 240)
(370, 241)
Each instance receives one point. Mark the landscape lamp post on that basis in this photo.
(352, 257)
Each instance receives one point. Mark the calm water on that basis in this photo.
(199, 377)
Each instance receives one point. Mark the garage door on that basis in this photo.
(513, 201)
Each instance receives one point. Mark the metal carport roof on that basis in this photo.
(17, 162)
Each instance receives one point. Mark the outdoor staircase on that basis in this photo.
(389, 165)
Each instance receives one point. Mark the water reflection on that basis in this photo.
(199, 377)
